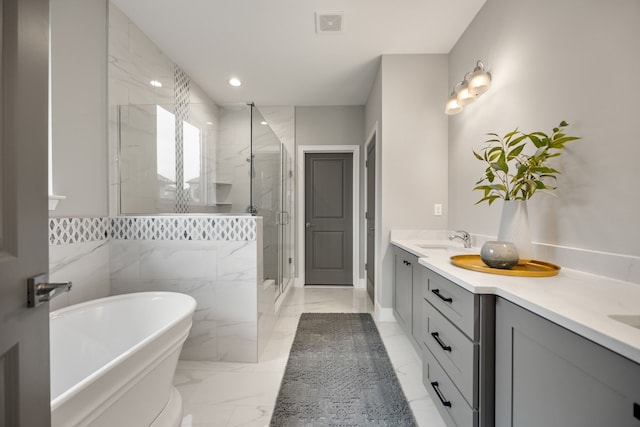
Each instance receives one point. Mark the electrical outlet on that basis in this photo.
(437, 209)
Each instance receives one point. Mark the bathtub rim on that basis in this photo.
(70, 392)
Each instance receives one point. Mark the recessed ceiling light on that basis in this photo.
(155, 83)
(209, 123)
(263, 123)
(234, 82)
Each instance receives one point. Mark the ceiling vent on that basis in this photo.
(329, 22)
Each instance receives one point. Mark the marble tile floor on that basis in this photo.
(244, 394)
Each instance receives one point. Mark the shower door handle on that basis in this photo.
(282, 218)
(40, 290)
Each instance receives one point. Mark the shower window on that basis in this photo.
(166, 157)
(191, 162)
(166, 152)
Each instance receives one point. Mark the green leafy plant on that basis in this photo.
(511, 173)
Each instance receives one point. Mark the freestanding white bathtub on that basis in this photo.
(113, 360)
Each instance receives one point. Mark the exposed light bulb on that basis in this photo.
(479, 82)
(452, 106)
(463, 94)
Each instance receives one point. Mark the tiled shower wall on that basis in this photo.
(215, 259)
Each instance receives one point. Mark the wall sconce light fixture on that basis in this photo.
(464, 95)
(452, 106)
(474, 84)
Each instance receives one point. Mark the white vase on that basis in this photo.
(514, 227)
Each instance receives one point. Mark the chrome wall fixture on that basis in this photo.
(474, 84)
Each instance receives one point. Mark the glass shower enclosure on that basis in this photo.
(207, 159)
(271, 195)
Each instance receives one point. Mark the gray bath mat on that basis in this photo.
(339, 374)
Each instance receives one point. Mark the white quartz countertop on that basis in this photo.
(578, 301)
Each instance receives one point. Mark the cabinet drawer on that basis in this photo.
(454, 351)
(454, 409)
(457, 304)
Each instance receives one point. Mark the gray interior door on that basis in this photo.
(24, 332)
(329, 219)
(371, 218)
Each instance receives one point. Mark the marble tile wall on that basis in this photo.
(79, 252)
(215, 259)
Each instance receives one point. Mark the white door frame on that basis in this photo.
(373, 139)
(355, 150)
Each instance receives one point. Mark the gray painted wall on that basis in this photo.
(333, 125)
(407, 100)
(79, 108)
(574, 60)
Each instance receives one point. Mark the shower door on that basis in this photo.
(271, 189)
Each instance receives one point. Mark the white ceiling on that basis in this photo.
(272, 46)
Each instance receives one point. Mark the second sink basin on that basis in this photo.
(629, 319)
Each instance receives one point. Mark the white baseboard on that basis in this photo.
(360, 284)
(384, 314)
(283, 297)
(268, 283)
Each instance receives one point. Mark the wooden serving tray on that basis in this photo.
(531, 269)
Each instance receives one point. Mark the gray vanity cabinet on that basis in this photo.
(457, 348)
(407, 294)
(403, 288)
(547, 375)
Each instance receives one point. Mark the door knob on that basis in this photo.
(309, 225)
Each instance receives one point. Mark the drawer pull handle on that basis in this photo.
(440, 396)
(437, 292)
(436, 336)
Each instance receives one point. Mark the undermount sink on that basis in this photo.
(628, 319)
(442, 246)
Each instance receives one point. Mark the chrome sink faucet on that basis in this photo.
(464, 236)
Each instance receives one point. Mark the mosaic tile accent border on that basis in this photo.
(182, 94)
(64, 231)
(184, 228)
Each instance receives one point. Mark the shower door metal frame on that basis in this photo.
(284, 220)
